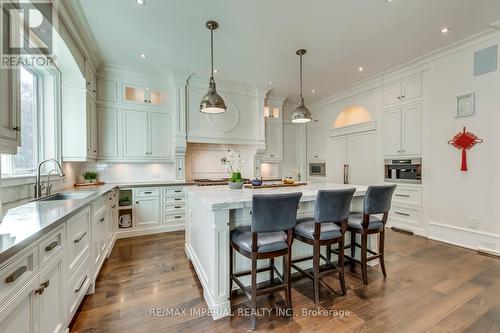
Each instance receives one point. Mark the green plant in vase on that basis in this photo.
(90, 176)
(233, 163)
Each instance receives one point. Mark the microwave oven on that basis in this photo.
(404, 171)
(317, 169)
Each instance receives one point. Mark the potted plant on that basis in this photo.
(124, 201)
(90, 176)
(233, 163)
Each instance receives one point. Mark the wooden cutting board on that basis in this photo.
(274, 185)
(89, 184)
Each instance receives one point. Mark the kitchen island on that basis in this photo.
(212, 212)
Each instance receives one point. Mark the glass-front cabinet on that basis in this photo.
(145, 95)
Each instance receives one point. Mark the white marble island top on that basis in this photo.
(221, 197)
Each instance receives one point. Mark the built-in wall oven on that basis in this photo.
(317, 169)
(404, 170)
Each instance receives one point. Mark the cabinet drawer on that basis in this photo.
(50, 247)
(77, 239)
(174, 199)
(169, 218)
(173, 191)
(17, 272)
(413, 214)
(77, 286)
(408, 195)
(147, 192)
(175, 207)
(99, 205)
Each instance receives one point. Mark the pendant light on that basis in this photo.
(212, 103)
(301, 114)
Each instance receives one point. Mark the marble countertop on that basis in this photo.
(23, 225)
(221, 197)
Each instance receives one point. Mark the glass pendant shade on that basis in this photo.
(212, 102)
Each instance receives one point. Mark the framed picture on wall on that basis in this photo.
(465, 105)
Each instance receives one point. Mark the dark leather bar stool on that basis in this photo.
(377, 201)
(326, 228)
(271, 234)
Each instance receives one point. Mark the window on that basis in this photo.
(39, 120)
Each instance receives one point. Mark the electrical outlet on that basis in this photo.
(473, 222)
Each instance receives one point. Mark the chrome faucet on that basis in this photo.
(39, 183)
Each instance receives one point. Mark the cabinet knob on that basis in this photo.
(17, 129)
(46, 284)
(137, 202)
(39, 291)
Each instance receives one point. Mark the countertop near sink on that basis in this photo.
(25, 224)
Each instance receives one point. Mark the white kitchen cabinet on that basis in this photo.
(10, 134)
(92, 128)
(316, 136)
(146, 208)
(402, 131)
(159, 135)
(20, 313)
(91, 81)
(79, 126)
(351, 158)
(146, 135)
(51, 301)
(406, 90)
(107, 133)
(143, 95)
(100, 230)
(274, 140)
(135, 134)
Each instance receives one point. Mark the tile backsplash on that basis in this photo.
(131, 172)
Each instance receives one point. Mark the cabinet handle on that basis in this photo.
(51, 246)
(137, 202)
(148, 192)
(81, 285)
(177, 207)
(114, 206)
(102, 219)
(177, 217)
(46, 284)
(145, 101)
(403, 214)
(403, 96)
(177, 191)
(17, 129)
(402, 195)
(39, 291)
(93, 91)
(177, 199)
(78, 239)
(16, 274)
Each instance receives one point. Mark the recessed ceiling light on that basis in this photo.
(445, 30)
(360, 69)
(216, 71)
(143, 55)
(270, 83)
(141, 2)
(313, 91)
(388, 1)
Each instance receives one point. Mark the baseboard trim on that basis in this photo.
(476, 240)
(151, 231)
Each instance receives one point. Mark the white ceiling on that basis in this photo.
(257, 39)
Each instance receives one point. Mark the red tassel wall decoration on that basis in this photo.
(464, 140)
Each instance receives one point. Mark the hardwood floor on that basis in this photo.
(430, 286)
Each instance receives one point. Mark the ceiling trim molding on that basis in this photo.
(71, 13)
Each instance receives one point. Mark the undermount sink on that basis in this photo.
(67, 196)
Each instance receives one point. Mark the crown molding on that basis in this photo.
(73, 17)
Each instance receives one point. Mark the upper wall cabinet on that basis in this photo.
(143, 95)
(406, 90)
(402, 131)
(91, 81)
(10, 135)
(274, 140)
(316, 136)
